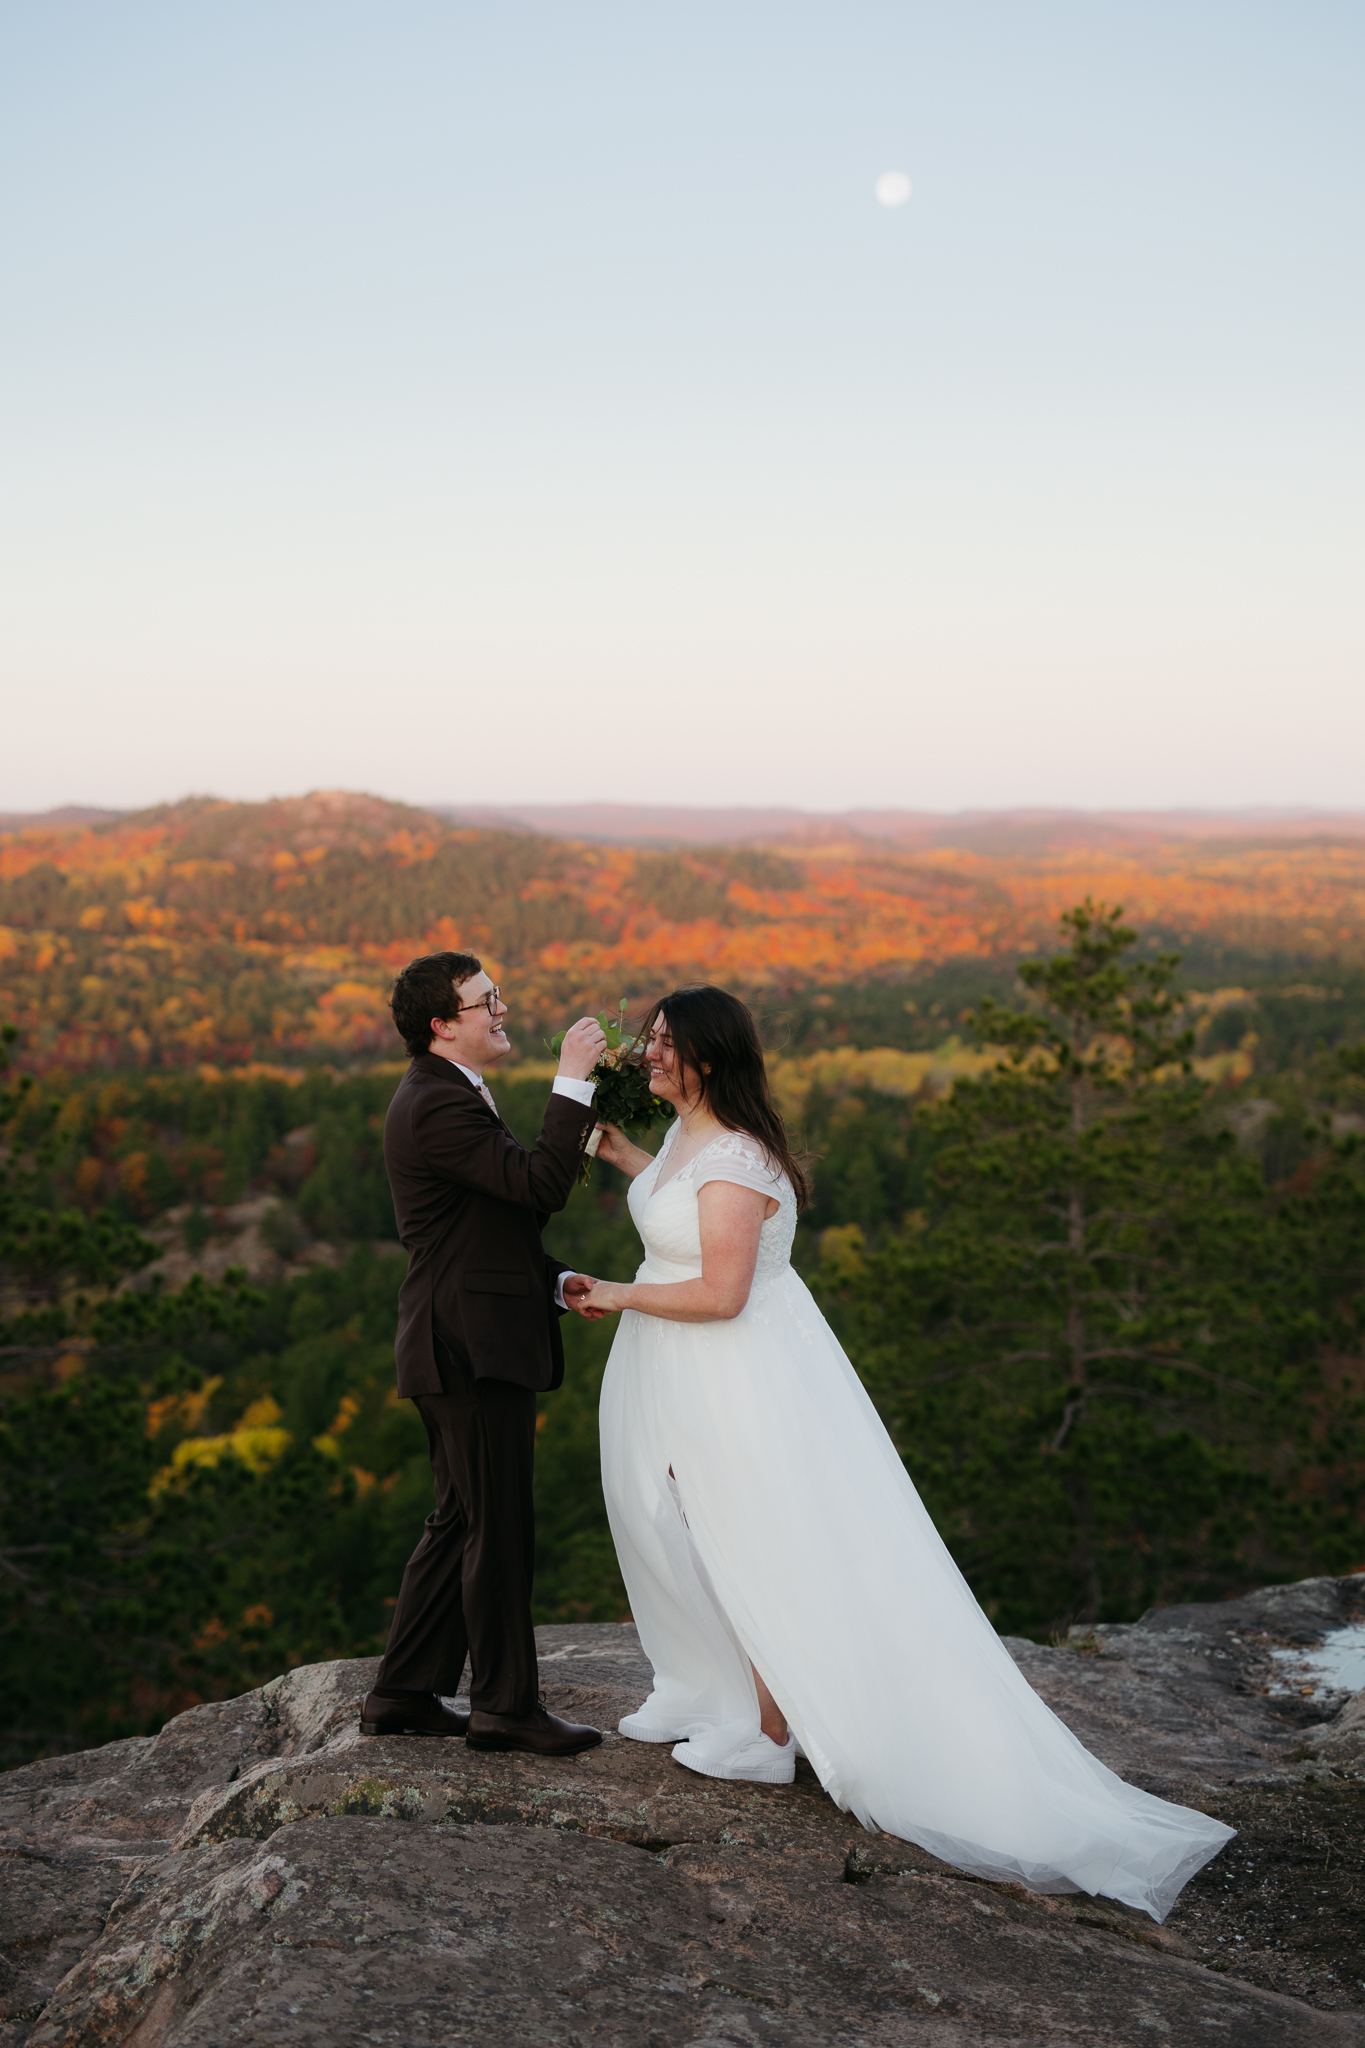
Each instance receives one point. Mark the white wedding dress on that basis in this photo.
(792, 1535)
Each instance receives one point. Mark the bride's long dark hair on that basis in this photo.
(717, 1045)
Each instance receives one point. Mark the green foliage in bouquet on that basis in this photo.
(623, 1096)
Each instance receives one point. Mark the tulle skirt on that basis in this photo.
(790, 1534)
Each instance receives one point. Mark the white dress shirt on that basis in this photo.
(577, 1091)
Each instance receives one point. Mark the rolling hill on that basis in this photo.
(207, 931)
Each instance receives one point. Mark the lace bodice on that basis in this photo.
(667, 1217)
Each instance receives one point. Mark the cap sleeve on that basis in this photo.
(742, 1160)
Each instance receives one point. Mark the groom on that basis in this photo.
(478, 1336)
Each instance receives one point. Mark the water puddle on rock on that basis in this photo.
(1335, 1665)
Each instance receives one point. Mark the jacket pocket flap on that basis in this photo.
(496, 1283)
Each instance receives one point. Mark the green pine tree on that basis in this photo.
(1064, 1343)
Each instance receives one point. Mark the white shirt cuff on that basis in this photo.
(577, 1091)
(559, 1289)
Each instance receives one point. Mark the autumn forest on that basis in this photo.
(204, 1473)
(224, 933)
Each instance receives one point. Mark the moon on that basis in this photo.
(893, 188)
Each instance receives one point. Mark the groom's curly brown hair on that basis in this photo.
(426, 989)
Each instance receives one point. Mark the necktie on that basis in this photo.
(488, 1098)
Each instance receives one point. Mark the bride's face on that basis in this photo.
(666, 1071)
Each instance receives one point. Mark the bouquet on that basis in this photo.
(623, 1095)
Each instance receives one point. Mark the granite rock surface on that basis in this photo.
(260, 1872)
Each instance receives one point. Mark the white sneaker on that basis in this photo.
(760, 1762)
(640, 1729)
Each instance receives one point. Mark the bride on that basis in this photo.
(788, 1585)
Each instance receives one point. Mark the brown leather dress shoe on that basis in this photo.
(412, 1713)
(541, 1732)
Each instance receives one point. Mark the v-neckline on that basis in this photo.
(660, 1185)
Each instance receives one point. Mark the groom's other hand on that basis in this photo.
(584, 1044)
(577, 1288)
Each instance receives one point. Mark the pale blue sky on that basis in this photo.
(531, 400)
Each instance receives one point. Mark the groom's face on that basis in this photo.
(475, 1037)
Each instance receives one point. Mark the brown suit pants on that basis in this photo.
(467, 1586)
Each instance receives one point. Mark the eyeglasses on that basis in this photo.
(485, 1002)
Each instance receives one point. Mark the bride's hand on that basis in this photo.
(577, 1288)
(613, 1145)
(616, 1149)
(607, 1295)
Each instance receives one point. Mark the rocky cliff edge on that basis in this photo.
(260, 1872)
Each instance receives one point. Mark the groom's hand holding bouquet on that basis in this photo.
(623, 1100)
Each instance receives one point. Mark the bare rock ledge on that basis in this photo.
(260, 1872)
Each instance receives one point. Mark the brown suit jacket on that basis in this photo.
(471, 1203)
